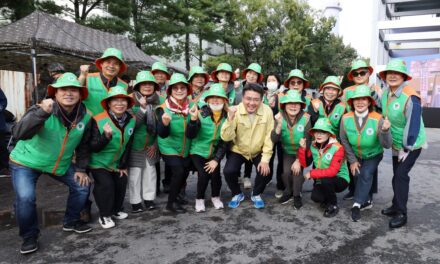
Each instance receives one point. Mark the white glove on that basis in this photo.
(402, 155)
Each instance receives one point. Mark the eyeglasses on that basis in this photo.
(361, 73)
(296, 82)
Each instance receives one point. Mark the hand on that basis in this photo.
(296, 168)
(302, 143)
(210, 166)
(355, 167)
(47, 105)
(307, 176)
(82, 178)
(231, 112)
(108, 131)
(123, 172)
(84, 69)
(386, 124)
(194, 112)
(272, 102)
(263, 168)
(143, 102)
(152, 151)
(402, 155)
(166, 119)
(279, 118)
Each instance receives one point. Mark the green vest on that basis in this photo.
(141, 138)
(395, 111)
(52, 148)
(290, 137)
(97, 92)
(231, 97)
(364, 143)
(108, 158)
(207, 138)
(335, 115)
(349, 92)
(176, 144)
(323, 161)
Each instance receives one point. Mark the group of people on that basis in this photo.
(90, 130)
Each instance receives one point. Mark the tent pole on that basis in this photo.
(34, 69)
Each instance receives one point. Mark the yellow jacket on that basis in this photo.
(248, 139)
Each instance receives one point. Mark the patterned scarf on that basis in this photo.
(177, 108)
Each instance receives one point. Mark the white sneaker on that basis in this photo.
(200, 205)
(247, 183)
(106, 222)
(279, 194)
(120, 215)
(217, 203)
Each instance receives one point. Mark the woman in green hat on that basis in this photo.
(197, 78)
(173, 118)
(364, 134)
(207, 148)
(401, 104)
(226, 77)
(161, 74)
(329, 171)
(110, 143)
(144, 154)
(291, 125)
(296, 81)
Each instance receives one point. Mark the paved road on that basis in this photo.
(276, 234)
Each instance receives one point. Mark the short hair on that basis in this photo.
(253, 87)
(277, 76)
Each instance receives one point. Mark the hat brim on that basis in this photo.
(260, 75)
(156, 70)
(382, 75)
(350, 76)
(98, 63)
(283, 105)
(330, 84)
(84, 92)
(350, 101)
(214, 75)
(212, 95)
(313, 130)
(205, 75)
(131, 101)
(156, 86)
(188, 87)
(306, 82)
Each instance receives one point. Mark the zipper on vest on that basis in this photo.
(212, 141)
(66, 136)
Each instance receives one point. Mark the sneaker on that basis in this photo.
(297, 202)
(258, 202)
(279, 194)
(218, 204)
(77, 227)
(349, 196)
(200, 205)
(29, 245)
(149, 205)
(106, 222)
(331, 211)
(175, 208)
(137, 208)
(285, 198)
(120, 215)
(355, 213)
(367, 205)
(181, 199)
(247, 183)
(235, 202)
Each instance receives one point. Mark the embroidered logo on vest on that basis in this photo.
(396, 106)
(370, 131)
(80, 126)
(300, 128)
(328, 156)
(130, 131)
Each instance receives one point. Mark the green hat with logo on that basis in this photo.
(198, 70)
(111, 53)
(178, 78)
(159, 66)
(256, 68)
(117, 92)
(216, 90)
(397, 65)
(322, 124)
(223, 67)
(68, 79)
(292, 96)
(145, 76)
(331, 81)
(298, 74)
(359, 64)
(360, 92)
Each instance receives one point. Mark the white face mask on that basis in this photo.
(216, 107)
(272, 86)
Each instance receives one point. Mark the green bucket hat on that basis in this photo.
(356, 65)
(145, 76)
(223, 67)
(298, 74)
(117, 92)
(111, 52)
(178, 78)
(360, 92)
(292, 96)
(216, 90)
(332, 81)
(397, 65)
(198, 70)
(256, 68)
(159, 66)
(68, 79)
(322, 124)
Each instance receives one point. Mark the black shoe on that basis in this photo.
(349, 196)
(390, 211)
(181, 200)
(331, 211)
(297, 202)
(137, 208)
(77, 227)
(398, 220)
(367, 205)
(355, 213)
(285, 198)
(149, 205)
(29, 245)
(175, 208)
(166, 188)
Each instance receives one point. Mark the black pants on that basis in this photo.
(204, 177)
(279, 176)
(158, 177)
(232, 172)
(109, 191)
(325, 189)
(179, 172)
(167, 175)
(247, 169)
(4, 154)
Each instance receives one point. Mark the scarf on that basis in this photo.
(120, 120)
(152, 102)
(175, 107)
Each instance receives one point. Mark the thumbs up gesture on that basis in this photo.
(166, 119)
(194, 112)
(279, 118)
(386, 125)
(47, 105)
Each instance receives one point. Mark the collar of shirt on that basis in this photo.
(108, 83)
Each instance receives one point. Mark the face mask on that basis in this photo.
(216, 107)
(272, 86)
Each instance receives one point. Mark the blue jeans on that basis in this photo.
(24, 181)
(364, 179)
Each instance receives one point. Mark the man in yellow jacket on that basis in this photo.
(248, 127)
